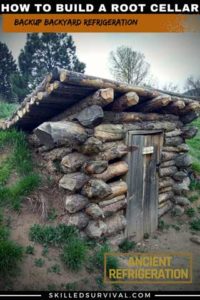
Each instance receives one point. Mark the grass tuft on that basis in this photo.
(52, 235)
(127, 245)
(11, 255)
(74, 254)
(111, 261)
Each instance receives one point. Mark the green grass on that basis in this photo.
(52, 235)
(127, 245)
(193, 198)
(195, 224)
(55, 269)
(30, 250)
(98, 260)
(194, 148)
(6, 109)
(74, 254)
(39, 262)
(190, 212)
(18, 162)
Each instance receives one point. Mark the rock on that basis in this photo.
(94, 211)
(112, 208)
(180, 175)
(195, 239)
(92, 146)
(183, 148)
(96, 229)
(183, 161)
(90, 116)
(173, 141)
(116, 240)
(80, 220)
(57, 153)
(73, 181)
(109, 132)
(72, 162)
(115, 224)
(34, 141)
(183, 201)
(189, 132)
(96, 188)
(60, 133)
(183, 187)
(95, 167)
(74, 203)
(178, 210)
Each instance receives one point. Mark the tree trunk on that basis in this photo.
(111, 209)
(154, 104)
(168, 163)
(165, 196)
(109, 132)
(167, 171)
(101, 98)
(166, 156)
(128, 117)
(111, 201)
(125, 101)
(173, 133)
(164, 209)
(167, 182)
(151, 125)
(113, 170)
(118, 188)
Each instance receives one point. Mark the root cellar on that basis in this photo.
(121, 151)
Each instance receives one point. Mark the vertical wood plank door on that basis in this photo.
(142, 179)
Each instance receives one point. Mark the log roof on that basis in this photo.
(62, 88)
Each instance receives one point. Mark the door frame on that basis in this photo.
(127, 158)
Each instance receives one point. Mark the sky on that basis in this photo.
(173, 56)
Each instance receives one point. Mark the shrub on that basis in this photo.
(195, 224)
(11, 255)
(39, 262)
(74, 254)
(127, 245)
(190, 212)
(52, 235)
(30, 250)
(111, 261)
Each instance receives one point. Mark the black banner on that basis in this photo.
(99, 7)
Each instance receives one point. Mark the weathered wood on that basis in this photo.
(154, 104)
(112, 208)
(194, 106)
(73, 181)
(115, 224)
(118, 188)
(127, 100)
(166, 156)
(109, 132)
(158, 125)
(168, 163)
(173, 141)
(166, 182)
(178, 149)
(173, 133)
(166, 189)
(92, 146)
(165, 196)
(60, 133)
(112, 150)
(111, 201)
(97, 189)
(164, 172)
(74, 203)
(164, 209)
(101, 98)
(72, 162)
(81, 79)
(175, 107)
(113, 170)
(90, 116)
(95, 167)
(128, 117)
(183, 160)
(189, 132)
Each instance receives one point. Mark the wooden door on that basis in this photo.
(142, 179)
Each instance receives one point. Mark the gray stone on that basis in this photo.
(96, 229)
(74, 203)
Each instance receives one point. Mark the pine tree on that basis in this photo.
(43, 52)
(8, 67)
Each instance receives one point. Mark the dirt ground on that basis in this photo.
(32, 277)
